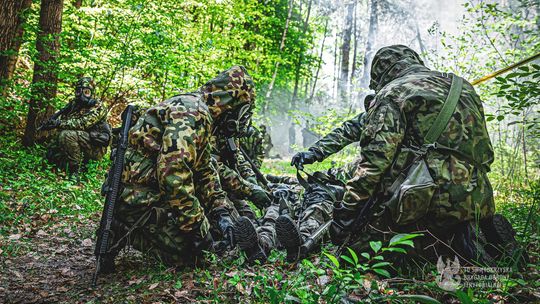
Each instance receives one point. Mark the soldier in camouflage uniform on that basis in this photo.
(408, 98)
(171, 192)
(253, 144)
(267, 141)
(84, 133)
(237, 177)
(291, 221)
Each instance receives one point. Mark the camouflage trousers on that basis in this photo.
(71, 148)
(154, 232)
(311, 214)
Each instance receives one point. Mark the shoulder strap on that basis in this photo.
(441, 122)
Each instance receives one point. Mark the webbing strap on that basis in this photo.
(446, 112)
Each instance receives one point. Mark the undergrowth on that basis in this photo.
(34, 196)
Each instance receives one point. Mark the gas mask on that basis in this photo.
(84, 91)
(235, 123)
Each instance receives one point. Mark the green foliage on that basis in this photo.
(33, 194)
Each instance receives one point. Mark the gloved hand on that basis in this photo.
(202, 241)
(222, 219)
(342, 221)
(50, 124)
(260, 197)
(304, 158)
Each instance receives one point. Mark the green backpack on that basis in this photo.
(412, 191)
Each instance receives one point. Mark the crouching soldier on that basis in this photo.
(424, 158)
(171, 195)
(84, 133)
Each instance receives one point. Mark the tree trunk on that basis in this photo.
(300, 61)
(335, 81)
(343, 83)
(423, 49)
(281, 46)
(11, 30)
(45, 78)
(319, 62)
(355, 31)
(368, 54)
(292, 128)
(77, 4)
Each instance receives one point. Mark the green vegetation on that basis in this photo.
(308, 61)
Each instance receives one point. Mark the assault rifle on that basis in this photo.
(112, 191)
(55, 116)
(361, 220)
(258, 173)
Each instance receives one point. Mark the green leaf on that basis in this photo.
(419, 298)
(376, 246)
(333, 259)
(348, 259)
(353, 255)
(463, 297)
(382, 272)
(380, 264)
(395, 249)
(365, 255)
(398, 238)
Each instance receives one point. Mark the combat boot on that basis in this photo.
(256, 247)
(501, 242)
(289, 237)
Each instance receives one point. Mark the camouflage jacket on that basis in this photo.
(235, 173)
(349, 132)
(83, 118)
(168, 162)
(409, 97)
(253, 145)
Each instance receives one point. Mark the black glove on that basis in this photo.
(343, 220)
(260, 197)
(202, 242)
(222, 218)
(50, 124)
(304, 158)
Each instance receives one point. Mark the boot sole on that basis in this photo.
(501, 237)
(247, 239)
(289, 237)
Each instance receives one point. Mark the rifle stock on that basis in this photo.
(112, 191)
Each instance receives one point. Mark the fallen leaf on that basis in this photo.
(86, 243)
(44, 294)
(14, 237)
(17, 274)
(136, 281)
(153, 286)
(41, 233)
(67, 272)
(180, 293)
(62, 289)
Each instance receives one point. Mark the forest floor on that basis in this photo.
(47, 226)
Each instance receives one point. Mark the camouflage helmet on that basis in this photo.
(386, 59)
(230, 90)
(85, 82)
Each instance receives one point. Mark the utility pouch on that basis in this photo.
(411, 194)
(412, 191)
